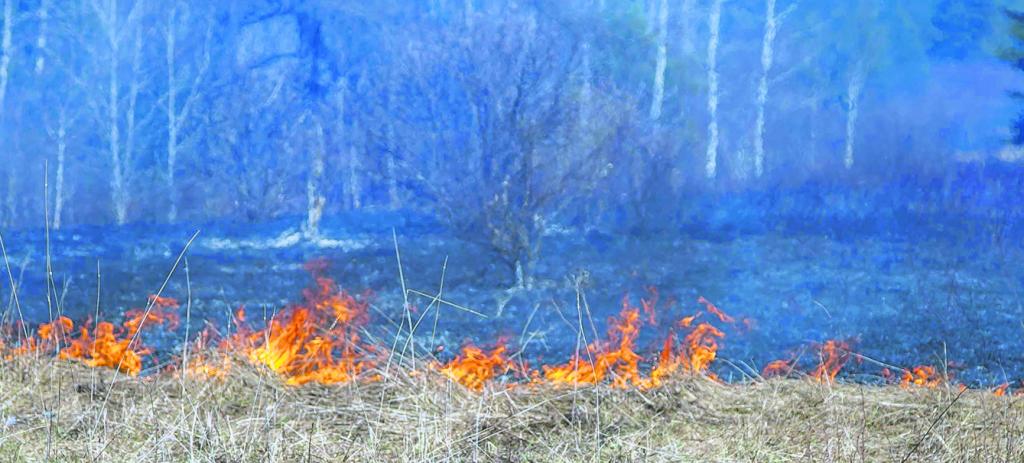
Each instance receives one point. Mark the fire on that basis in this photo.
(921, 376)
(834, 355)
(474, 367)
(316, 341)
(702, 347)
(619, 360)
(667, 365)
(777, 368)
(106, 345)
(617, 356)
(715, 310)
(320, 340)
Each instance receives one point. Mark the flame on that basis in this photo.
(667, 365)
(650, 304)
(702, 347)
(715, 310)
(777, 368)
(316, 341)
(834, 355)
(617, 356)
(921, 376)
(473, 368)
(319, 341)
(105, 345)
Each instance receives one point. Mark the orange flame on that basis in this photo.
(702, 347)
(617, 356)
(106, 346)
(777, 368)
(715, 310)
(474, 367)
(921, 376)
(317, 341)
(834, 355)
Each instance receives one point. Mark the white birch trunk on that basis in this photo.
(44, 16)
(121, 193)
(114, 135)
(394, 200)
(175, 116)
(853, 90)
(651, 16)
(658, 97)
(11, 194)
(390, 163)
(353, 171)
(469, 13)
(767, 56)
(689, 27)
(5, 49)
(172, 115)
(714, 21)
(58, 196)
(314, 197)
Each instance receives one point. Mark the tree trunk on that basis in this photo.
(11, 193)
(314, 197)
(469, 13)
(586, 88)
(714, 21)
(390, 163)
(5, 49)
(852, 98)
(44, 15)
(121, 193)
(689, 27)
(175, 116)
(58, 196)
(353, 170)
(658, 96)
(172, 117)
(767, 55)
(114, 134)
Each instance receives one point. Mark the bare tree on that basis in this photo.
(314, 194)
(532, 151)
(771, 27)
(177, 117)
(5, 49)
(853, 89)
(61, 138)
(115, 28)
(658, 96)
(714, 21)
(43, 14)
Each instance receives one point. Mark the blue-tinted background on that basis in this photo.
(539, 146)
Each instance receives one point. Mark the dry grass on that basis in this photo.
(60, 411)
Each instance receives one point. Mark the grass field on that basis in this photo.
(56, 410)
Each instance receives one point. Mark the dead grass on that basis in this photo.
(56, 410)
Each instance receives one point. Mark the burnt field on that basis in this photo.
(894, 300)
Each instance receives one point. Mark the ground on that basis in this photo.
(906, 297)
(60, 411)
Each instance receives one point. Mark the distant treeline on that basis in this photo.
(491, 115)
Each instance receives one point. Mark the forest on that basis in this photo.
(161, 112)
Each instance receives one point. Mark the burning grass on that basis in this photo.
(308, 386)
